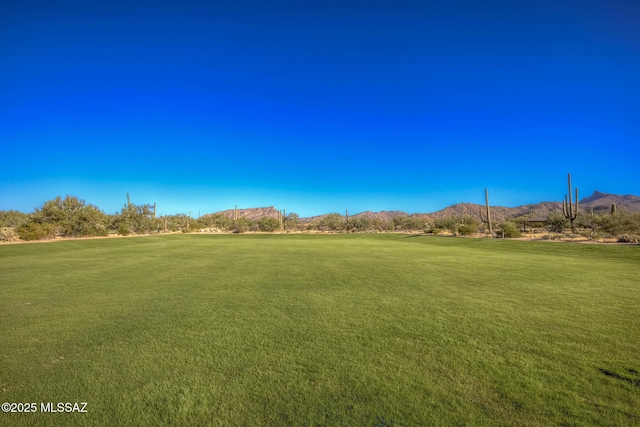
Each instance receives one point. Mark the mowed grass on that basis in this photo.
(362, 330)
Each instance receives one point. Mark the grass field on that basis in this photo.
(362, 330)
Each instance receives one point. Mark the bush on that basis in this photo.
(509, 230)
(557, 222)
(95, 231)
(8, 234)
(449, 223)
(123, 230)
(629, 238)
(35, 231)
(268, 224)
(13, 219)
(467, 229)
(241, 225)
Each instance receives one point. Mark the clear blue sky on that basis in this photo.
(317, 106)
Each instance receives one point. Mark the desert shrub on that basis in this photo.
(509, 229)
(469, 226)
(70, 217)
(467, 229)
(93, 231)
(123, 230)
(557, 222)
(450, 223)
(360, 224)
(268, 224)
(35, 231)
(408, 223)
(13, 219)
(332, 222)
(619, 223)
(241, 225)
(629, 238)
(8, 234)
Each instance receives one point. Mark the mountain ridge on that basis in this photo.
(598, 201)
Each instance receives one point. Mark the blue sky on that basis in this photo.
(317, 106)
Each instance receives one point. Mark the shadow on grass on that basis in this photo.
(632, 381)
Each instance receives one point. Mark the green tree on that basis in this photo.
(618, 223)
(557, 222)
(450, 223)
(360, 224)
(291, 221)
(136, 219)
(13, 219)
(241, 225)
(268, 224)
(35, 231)
(333, 222)
(70, 217)
(469, 226)
(509, 229)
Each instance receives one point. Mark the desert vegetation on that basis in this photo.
(70, 217)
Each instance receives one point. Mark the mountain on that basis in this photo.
(600, 202)
(250, 213)
(382, 215)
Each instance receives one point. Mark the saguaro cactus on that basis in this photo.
(487, 220)
(613, 208)
(570, 210)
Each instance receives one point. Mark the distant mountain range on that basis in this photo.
(599, 202)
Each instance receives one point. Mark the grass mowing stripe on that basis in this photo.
(304, 330)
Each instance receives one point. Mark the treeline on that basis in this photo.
(624, 225)
(72, 217)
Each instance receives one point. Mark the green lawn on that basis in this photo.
(362, 330)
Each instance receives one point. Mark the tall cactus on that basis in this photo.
(570, 210)
(613, 208)
(487, 220)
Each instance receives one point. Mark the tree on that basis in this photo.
(333, 222)
(13, 219)
(509, 229)
(291, 221)
(241, 225)
(70, 217)
(268, 224)
(449, 223)
(469, 226)
(557, 222)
